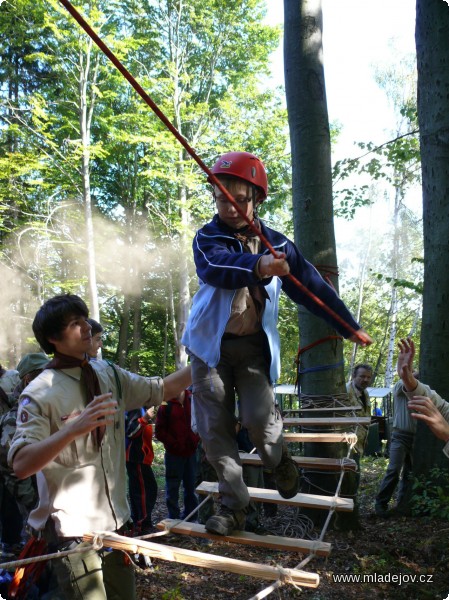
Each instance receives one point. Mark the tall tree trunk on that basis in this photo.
(180, 317)
(389, 367)
(313, 206)
(361, 280)
(184, 291)
(432, 50)
(137, 324)
(122, 350)
(86, 107)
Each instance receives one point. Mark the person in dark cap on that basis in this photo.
(17, 496)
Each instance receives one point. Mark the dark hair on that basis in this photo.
(54, 315)
(361, 366)
(96, 327)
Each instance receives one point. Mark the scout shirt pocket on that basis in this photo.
(80, 451)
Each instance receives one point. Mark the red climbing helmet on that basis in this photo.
(244, 165)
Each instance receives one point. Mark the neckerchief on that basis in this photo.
(258, 292)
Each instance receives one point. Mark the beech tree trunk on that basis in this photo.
(432, 50)
(313, 214)
(87, 81)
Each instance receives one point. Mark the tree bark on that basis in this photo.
(86, 107)
(313, 210)
(432, 50)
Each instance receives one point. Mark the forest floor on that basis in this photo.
(406, 557)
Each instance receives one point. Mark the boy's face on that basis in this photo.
(243, 195)
(97, 343)
(75, 339)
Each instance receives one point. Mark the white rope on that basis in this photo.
(97, 544)
(350, 439)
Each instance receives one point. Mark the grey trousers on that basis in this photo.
(401, 448)
(242, 370)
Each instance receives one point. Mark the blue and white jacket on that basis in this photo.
(222, 267)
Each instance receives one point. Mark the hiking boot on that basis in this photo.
(286, 476)
(226, 521)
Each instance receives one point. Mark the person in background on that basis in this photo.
(18, 496)
(173, 429)
(9, 380)
(401, 455)
(377, 411)
(362, 375)
(97, 338)
(70, 432)
(231, 334)
(142, 484)
(423, 402)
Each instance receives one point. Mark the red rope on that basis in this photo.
(127, 75)
(316, 343)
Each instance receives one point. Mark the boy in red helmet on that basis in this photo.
(232, 338)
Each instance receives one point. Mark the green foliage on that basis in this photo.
(431, 494)
(289, 331)
(193, 59)
(173, 594)
(400, 283)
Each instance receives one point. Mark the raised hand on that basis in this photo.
(405, 363)
(425, 410)
(361, 338)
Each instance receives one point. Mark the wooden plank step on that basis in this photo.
(332, 436)
(327, 421)
(321, 409)
(250, 539)
(201, 559)
(332, 464)
(306, 500)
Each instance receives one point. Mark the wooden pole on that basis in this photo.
(203, 560)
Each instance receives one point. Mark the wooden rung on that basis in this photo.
(250, 539)
(203, 560)
(332, 464)
(321, 409)
(320, 437)
(306, 500)
(327, 421)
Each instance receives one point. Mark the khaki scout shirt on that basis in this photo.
(355, 399)
(83, 489)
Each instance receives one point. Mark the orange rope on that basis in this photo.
(316, 343)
